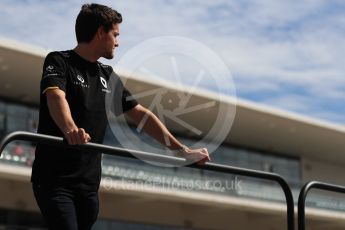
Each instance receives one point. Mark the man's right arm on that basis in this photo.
(60, 112)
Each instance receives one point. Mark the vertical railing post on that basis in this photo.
(304, 193)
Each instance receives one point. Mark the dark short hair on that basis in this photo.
(91, 17)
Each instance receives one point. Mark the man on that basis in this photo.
(65, 180)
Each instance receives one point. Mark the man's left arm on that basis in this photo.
(156, 129)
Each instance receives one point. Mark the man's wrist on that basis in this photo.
(184, 148)
(181, 150)
(69, 129)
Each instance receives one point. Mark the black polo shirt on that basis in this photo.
(86, 85)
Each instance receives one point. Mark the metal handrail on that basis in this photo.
(303, 196)
(116, 151)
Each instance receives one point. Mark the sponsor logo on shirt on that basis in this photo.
(106, 66)
(50, 71)
(104, 83)
(49, 68)
(81, 82)
(80, 78)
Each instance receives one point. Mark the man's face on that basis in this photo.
(109, 41)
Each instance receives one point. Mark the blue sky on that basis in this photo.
(285, 54)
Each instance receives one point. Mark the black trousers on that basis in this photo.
(67, 209)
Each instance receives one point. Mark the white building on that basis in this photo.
(297, 147)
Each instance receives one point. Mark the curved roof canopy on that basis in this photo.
(255, 126)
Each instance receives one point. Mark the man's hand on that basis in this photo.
(200, 156)
(77, 136)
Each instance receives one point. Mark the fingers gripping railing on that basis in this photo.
(303, 196)
(33, 137)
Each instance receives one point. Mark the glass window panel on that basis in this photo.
(33, 114)
(240, 157)
(32, 120)
(17, 110)
(2, 106)
(15, 124)
(2, 117)
(2, 122)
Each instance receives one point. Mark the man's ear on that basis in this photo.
(100, 32)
